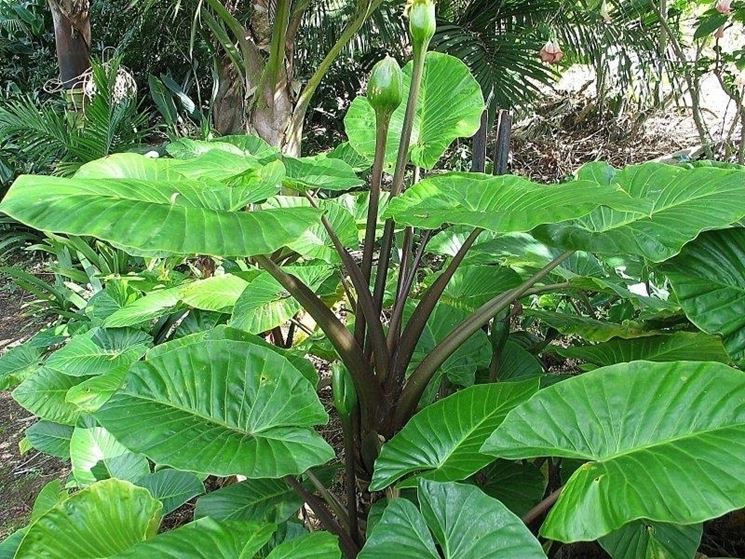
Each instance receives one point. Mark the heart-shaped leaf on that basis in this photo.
(708, 278)
(172, 487)
(220, 407)
(643, 539)
(662, 425)
(96, 455)
(443, 441)
(501, 204)
(100, 521)
(449, 106)
(152, 217)
(204, 539)
(50, 438)
(680, 346)
(683, 203)
(465, 523)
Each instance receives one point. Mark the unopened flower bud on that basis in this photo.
(551, 52)
(342, 386)
(422, 22)
(719, 33)
(385, 86)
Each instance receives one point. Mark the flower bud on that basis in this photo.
(551, 52)
(345, 396)
(385, 87)
(422, 22)
(724, 7)
(719, 33)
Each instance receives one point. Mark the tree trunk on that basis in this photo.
(72, 34)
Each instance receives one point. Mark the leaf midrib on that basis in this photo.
(670, 441)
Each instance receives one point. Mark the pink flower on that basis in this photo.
(551, 52)
(724, 7)
(719, 33)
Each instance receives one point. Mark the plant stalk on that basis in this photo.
(350, 548)
(350, 481)
(541, 508)
(418, 321)
(399, 173)
(419, 379)
(381, 135)
(342, 340)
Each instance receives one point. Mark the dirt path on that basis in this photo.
(21, 476)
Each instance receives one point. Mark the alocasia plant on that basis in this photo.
(438, 326)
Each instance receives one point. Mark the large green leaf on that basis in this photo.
(218, 293)
(443, 441)
(315, 242)
(465, 523)
(502, 204)
(186, 148)
(319, 171)
(50, 438)
(316, 545)
(684, 202)
(472, 286)
(460, 368)
(295, 357)
(708, 278)
(82, 357)
(680, 346)
(662, 441)
(517, 485)
(97, 522)
(152, 216)
(591, 329)
(449, 107)
(269, 500)
(172, 487)
(96, 455)
(43, 394)
(642, 539)
(152, 305)
(516, 363)
(17, 364)
(91, 394)
(203, 539)
(220, 407)
(265, 304)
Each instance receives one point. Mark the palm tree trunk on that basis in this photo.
(72, 34)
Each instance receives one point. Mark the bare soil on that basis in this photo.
(21, 475)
